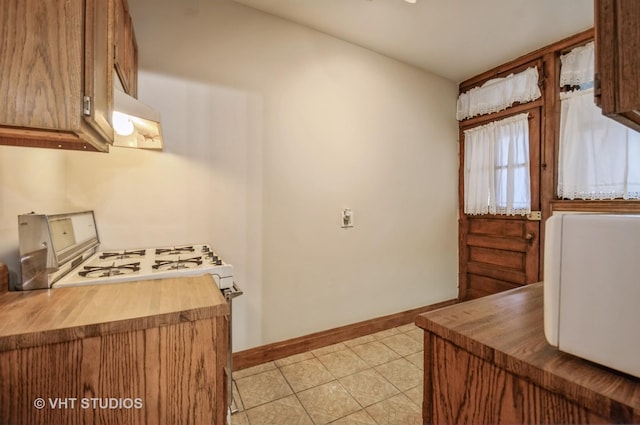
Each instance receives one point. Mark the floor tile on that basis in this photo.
(371, 380)
(359, 418)
(417, 334)
(368, 387)
(293, 359)
(417, 359)
(375, 353)
(237, 400)
(402, 344)
(415, 395)
(329, 349)
(306, 374)
(401, 373)
(262, 388)
(242, 373)
(398, 410)
(287, 411)
(328, 402)
(342, 363)
(240, 418)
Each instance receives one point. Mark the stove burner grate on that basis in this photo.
(112, 270)
(174, 250)
(122, 255)
(187, 263)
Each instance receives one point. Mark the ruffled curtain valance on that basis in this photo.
(578, 66)
(499, 93)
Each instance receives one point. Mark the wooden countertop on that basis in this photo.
(33, 318)
(506, 329)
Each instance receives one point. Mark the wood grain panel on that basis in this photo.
(41, 63)
(628, 43)
(172, 371)
(509, 244)
(498, 273)
(510, 259)
(502, 336)
(473, 391)
(617, 37)
(493, 227)
(487, 285)
(4, 277)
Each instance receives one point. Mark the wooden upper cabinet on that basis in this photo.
(617, 36)
(57, 71)
(126, 49)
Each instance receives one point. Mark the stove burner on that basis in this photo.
(112, 270)
(124, 254)
(174, 250)
(187, 263)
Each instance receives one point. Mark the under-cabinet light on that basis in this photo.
(136, 125)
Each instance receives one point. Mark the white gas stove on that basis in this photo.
(149, 263)
(62, 250)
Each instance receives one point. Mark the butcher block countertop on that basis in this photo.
(506, 330)
(39, 317)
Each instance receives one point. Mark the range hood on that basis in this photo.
(135, 124)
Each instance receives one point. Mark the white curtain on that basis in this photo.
(496, 178)
(499, 93)
(599, 158)
(577, 66)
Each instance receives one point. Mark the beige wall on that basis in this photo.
(30, 179)
(271, 129)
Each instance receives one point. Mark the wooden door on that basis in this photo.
(499, 252)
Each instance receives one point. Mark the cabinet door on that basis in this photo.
(98, 74)
(41, 63)
(126, 56)
(617, 33)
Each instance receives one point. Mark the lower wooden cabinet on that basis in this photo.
(486, 361)
(162, 375)
(57, 68)
(461, 388)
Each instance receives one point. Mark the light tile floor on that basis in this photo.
(372, 380)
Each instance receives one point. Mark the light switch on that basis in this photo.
(347, 218)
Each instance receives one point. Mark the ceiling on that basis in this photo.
(456, 39)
